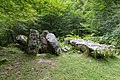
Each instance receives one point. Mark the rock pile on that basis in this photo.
(40, 43)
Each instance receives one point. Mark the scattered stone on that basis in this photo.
(65, 48)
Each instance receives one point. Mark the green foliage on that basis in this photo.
(62, 17)
(105, 54)
(11, 50)
(116, 37)
(110, 23)
(101, 39)
(72, 36)
(12, 12)
(89, 36)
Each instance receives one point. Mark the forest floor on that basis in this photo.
(67, 66)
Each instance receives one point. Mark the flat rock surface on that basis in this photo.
(92, 45)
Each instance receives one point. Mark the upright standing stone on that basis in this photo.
(33, 41)
(51, 38)
(43, 42)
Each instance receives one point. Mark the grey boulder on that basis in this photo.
(51, 38)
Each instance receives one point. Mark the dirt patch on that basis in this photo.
(3, 74)
(47, 62)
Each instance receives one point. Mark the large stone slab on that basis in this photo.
(91, 46)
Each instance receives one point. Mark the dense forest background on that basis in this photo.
(99, 19)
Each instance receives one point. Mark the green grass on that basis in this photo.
(20, 66)
(78, 67)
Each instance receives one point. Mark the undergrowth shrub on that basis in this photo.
(3, 60)
(7, 54)
(10, 50)
(105, 54)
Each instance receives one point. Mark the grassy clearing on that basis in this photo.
(20, 66)
(79, 67)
